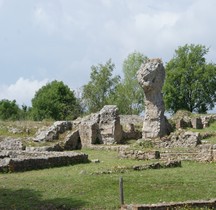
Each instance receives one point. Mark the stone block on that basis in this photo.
(196, 123)
(109, 125)
(89, 133)
(72, 141)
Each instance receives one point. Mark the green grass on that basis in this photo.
(22, 126)
(79, 187)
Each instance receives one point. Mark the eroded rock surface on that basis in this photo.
(11, 144)
(52, 133)
(109, 125)
(187, 139)
(131, 126)
(102, 127)
(151, 77)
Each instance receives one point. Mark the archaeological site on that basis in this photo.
(149, 137)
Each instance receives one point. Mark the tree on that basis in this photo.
(9, 110)
(55, 101)
(25, 112)
(130, 96)
(100, 88)
(190, 81)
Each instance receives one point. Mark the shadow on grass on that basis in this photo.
(29, 199)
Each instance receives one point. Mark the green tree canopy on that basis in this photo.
(190, 81)
(55, 101)
(100, 88)
(129, 96)
(9, 110)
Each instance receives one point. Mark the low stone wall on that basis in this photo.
(108, 147)
(25, 161)
(158, 165)
(202, 153)
(210, 204)
(138, 154)
(147, 166)
(186, 139)
(191, 156)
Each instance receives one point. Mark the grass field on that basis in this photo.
(96, 185)
(88, 186)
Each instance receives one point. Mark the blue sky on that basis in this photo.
(43, 40)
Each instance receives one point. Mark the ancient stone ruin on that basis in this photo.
(102, 127)
(103, 130)
(151, 77)
(14, 157)
(15, 160)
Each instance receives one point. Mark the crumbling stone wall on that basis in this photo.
(109, 125)
(186, 139)
(185, 119)
(102, 127)
(139, 154)
(52, 133)
(131, 126)
(89, 133)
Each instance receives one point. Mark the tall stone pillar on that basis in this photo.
(151, 77)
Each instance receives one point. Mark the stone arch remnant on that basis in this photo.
(151, 76)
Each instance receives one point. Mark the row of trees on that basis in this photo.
(190, 84)
(54, 101)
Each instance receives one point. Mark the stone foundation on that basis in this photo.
(139, 155)
(15, 161)
(202, 153)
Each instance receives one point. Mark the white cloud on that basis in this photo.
(158, 29)
(22, 91)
